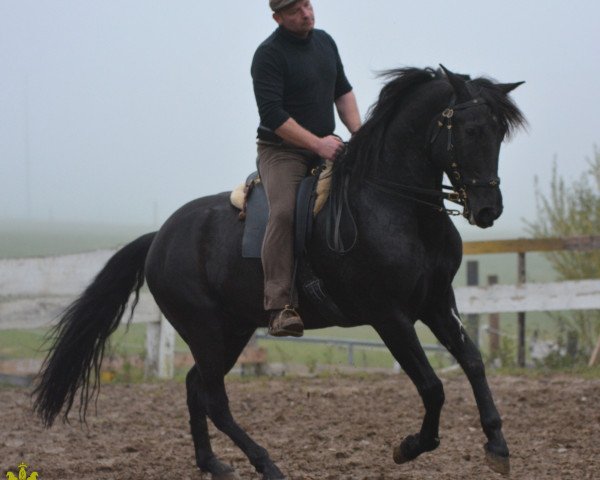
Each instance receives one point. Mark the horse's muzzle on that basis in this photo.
(485, 217)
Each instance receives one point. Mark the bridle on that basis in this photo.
(457, 193)
(458, 180)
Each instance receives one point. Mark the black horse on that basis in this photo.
(405, 254)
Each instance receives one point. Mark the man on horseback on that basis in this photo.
(435, 121)
(297, 76)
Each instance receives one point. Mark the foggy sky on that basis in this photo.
(121, 111)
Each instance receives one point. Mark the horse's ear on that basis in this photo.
(506, 88)
(457, 82)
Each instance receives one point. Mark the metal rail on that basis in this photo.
(348, 343)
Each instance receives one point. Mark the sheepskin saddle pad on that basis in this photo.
(251, 200)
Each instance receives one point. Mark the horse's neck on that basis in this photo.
(403, 153)
(405, 158)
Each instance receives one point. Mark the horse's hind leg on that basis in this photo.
(448, 329)
(400, 337)
(205, 458)
(215, 354)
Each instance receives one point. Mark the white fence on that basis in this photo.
(530, 297)
(33, 292)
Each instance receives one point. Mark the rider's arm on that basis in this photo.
(348, 111)
(326, 147)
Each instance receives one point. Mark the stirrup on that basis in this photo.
(277, 323)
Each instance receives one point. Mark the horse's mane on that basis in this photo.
(365, 147)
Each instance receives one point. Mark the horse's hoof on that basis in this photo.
(273, 473)
(497, 462)
(219, 470)
(411, 447)
(399, 457)
(407, 450)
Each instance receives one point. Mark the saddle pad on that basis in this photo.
(238, 195)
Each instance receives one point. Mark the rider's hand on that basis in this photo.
(329, 147)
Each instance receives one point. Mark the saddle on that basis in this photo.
(250, 198)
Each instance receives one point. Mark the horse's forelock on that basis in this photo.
(509, 115)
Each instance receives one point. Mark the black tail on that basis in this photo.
(80, 337)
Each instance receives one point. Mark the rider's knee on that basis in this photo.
(281, 216)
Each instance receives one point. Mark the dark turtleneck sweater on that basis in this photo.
(299, 78)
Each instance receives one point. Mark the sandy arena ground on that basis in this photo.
(339, 427)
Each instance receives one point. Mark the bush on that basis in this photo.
(573, 210)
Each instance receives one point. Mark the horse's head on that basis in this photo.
(466, 143)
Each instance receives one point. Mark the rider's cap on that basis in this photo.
(277, 5)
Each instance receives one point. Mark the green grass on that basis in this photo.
(312, 355)
(29, 344)
(21, 343)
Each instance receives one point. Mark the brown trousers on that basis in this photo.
(281, 169)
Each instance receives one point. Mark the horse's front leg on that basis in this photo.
(446, 325)
(399, 335)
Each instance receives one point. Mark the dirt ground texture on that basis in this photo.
(339, 427)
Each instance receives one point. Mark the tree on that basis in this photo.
(570, 210)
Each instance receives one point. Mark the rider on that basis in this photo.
(298, 76)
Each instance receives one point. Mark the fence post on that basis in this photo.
(472, 323)
(521, 315)
(494, 324)
(595, 354)
(160, 349)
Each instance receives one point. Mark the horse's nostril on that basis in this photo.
(486, 216)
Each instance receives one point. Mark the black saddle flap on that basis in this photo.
(257, 216)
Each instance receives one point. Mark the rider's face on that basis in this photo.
(298, 18)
